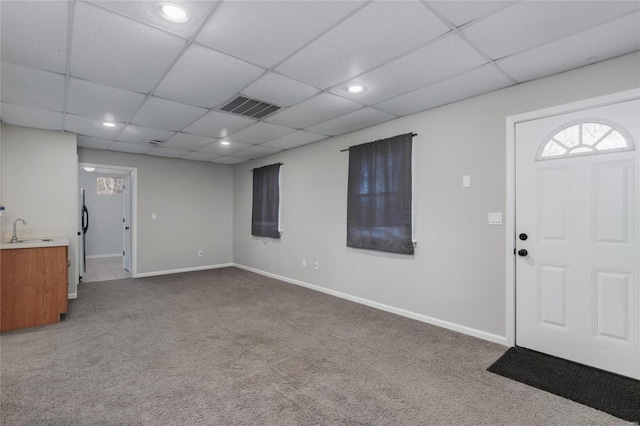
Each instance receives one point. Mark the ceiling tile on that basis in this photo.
(218, 149)
(218, 125)
(476, 82)
(149, 12)
(266, 32)
(315, 110)
(359, 119)
(444, 58)
(169, 115)
(462, 12)
(376, 34)
(105, 103)
(130, 148)
(31, 117)
(531, 23)
(133, 57)
(31, 87)
(229, 160)
(293, 140)
(166, 152)
(200, 156)
(606, 41)
(256, 152)
(139, 134)
(35, 34)
(91, 127)
(93, 143)
(279, 90)
(206, 78)
(187, 142)
(259, 132)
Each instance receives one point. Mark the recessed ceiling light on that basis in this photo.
(108, 124)
(173, 13)
(89, 169)
(356, 88)
(224, 142)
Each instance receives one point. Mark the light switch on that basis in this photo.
(466, 181)
(153, 216)
(495, 218)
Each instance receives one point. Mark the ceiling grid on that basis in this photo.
(74, 65)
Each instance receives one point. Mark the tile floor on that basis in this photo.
(104, 269)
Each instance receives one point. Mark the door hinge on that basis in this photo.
(123, 220)
(123, 252)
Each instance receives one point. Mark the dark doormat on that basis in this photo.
(604, 391)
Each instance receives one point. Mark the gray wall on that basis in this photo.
(457, 275)
(193, 202)
(104, 236)
(39, 184)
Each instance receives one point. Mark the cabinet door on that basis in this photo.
(62, 262)
(33, 280)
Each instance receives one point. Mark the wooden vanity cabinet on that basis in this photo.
(33, 288)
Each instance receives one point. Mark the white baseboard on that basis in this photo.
(502, 340)
(99, 256)
(177, 271)
(72, 296)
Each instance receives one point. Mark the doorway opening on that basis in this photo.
(107, 222)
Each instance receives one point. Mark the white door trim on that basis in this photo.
(510, 185)
(134, 209)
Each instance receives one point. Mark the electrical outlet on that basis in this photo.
(304, 263)
(316, 265)
(200, 253)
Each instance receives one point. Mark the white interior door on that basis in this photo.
(577, 292)
(82, 217)
(126, 223)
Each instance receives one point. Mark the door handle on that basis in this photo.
(126, 227)
(522, 252)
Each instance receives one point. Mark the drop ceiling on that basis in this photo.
(73, 65)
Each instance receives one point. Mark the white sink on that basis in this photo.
(35, 241)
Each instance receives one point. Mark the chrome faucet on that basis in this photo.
(14, 238)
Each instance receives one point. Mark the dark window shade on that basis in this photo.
(266, 201)
(379, 195)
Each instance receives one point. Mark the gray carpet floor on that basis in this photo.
(229, 347)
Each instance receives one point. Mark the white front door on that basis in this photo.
(577, 284)
(126, 223)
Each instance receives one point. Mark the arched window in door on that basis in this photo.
(584, 137)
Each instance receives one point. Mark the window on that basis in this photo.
(379, 195)
(584, 138)
(109, 185)
(265, 211)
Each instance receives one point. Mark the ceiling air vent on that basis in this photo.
(250, 107)
(154, 142)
